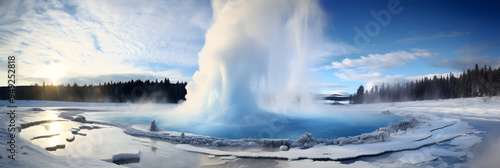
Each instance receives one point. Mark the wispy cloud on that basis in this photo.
(101, 38)
(382, 61)
(471, 54)
(465, 62)
(475, 49)
(335, 49)
(439, 35)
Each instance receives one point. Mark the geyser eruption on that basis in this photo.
(255, 59)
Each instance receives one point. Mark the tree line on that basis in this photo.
(476, 82)
(162, 91)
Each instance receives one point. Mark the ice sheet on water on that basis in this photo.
(428, 154)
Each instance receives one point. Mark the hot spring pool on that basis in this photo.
(284, 127)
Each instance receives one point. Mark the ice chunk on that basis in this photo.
(124, 156)
(386, 112)
(305, 141)
(75, 130)
(228, 158)
(283, 148)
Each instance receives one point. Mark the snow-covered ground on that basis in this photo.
(443, 133)
(29, 155)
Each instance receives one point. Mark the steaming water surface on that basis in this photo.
(284, 126)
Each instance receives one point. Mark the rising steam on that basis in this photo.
(255, 60)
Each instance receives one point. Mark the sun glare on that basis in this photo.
(54, 75)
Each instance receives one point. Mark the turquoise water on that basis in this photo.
(278, 127)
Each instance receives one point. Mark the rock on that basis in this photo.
(79, 118)
(182, 134)
(75, 130)
(153, 126)
(54, 148)
(71, 139)
(124, 157)
(283, 148)
(37, 109)
(85, 127)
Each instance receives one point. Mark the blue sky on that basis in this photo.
(458, 34)
(99, 41)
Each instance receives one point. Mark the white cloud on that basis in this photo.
(366, 68)
(327, 85)
(375, 78)
(370, 78)
(382, 61)
(174, 76)
(99, 38)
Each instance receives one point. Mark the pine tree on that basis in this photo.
(360, 95)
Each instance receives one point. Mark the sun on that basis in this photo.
(54, 75)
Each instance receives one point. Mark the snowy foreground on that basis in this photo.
(432, 130)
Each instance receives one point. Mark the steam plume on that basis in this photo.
(254, 60)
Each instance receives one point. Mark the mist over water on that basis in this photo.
(255, 61)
